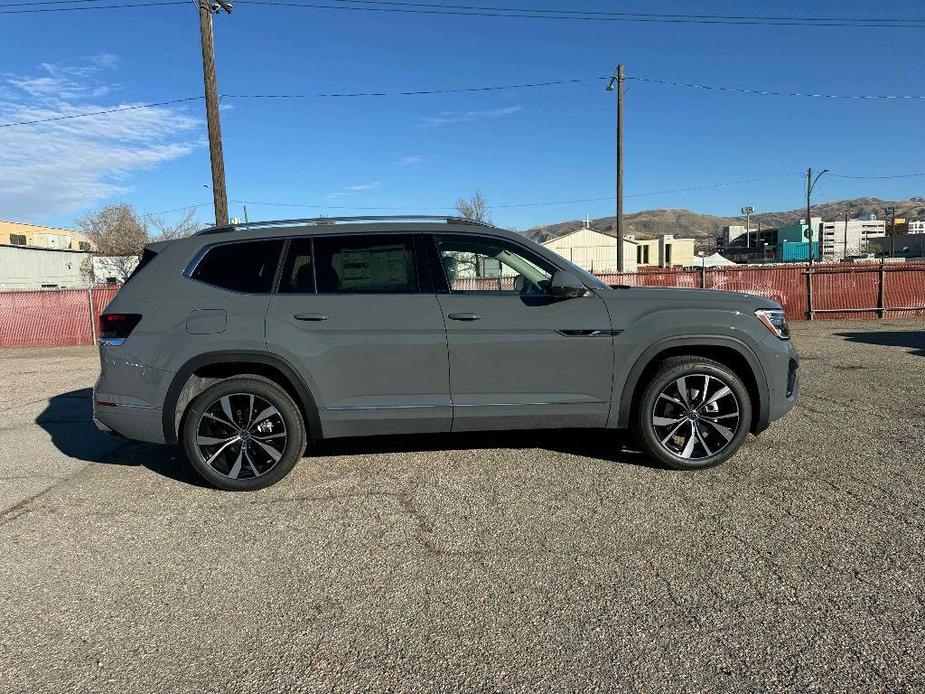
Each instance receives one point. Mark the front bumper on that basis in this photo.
(781, 365)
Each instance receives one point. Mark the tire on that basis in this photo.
(243, 434)
(699, 430)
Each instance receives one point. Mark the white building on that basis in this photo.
(732, 232)
(841, 239)
(113, 269)
(916, 226)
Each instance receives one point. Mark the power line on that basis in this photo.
(461, 90)
(589, 15)
(93, 7)
(912, 175)
(521, 204)
(394, 6)
(766, 92)
(417, 92)
(89, 114)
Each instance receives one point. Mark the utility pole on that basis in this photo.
(891, 211)
(618, 219)
(747, 211)
(810, 184)
(845, 254)
(219, 193)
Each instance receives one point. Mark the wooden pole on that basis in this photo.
(219, 193)
(881, 292)
(619, 218)
(809, 293)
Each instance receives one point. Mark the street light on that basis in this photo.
(810, 184)
(747, 211)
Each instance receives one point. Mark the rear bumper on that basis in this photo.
(126, 398)
(131, 421)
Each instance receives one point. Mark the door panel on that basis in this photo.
(519, 358)
(511, 368)
(377, 362)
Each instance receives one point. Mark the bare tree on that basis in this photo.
(116, 231)
(186, 226)
(475, 208)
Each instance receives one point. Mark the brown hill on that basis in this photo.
(705, 227)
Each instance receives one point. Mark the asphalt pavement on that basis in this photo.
(550, 561)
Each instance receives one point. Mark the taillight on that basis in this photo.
(115, 327)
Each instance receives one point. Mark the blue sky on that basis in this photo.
(420, 153)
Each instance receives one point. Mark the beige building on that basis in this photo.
(593, 250)
(33, 235)
(664, 251)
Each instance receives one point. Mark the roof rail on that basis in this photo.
(340, 220)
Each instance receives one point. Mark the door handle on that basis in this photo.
(311, 316)
(464, 316)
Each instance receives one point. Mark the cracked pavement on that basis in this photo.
(478, 562)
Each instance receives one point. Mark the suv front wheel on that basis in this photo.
(694, 413)
(243, 433)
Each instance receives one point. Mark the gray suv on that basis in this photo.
(244, 343)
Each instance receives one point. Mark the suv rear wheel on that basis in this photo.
(694, 413)
(243, 433)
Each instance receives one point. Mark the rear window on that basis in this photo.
(246, 267)
(146, 257)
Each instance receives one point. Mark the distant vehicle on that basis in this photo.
(245, 343)
(859, 258)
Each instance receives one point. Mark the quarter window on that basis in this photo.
(299, 271)
(246, 267)
(365, 264)
(479, 264)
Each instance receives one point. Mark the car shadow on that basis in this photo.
(913, 341)
(68, 419)
(609, 446)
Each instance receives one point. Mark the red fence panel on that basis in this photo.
(48, 318)
(102, 296)
(653, 278)
(904, 286)
(845, 287)
(784, 284)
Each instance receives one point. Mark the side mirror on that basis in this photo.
(564, 285)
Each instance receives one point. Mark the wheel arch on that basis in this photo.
(728, 351)
(201, 371)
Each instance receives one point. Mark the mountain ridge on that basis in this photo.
(705, 227)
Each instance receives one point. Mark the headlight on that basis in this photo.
(775, 321)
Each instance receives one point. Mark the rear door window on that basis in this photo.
(247, 267)
(366, 264)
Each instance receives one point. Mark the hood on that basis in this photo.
(696, 298)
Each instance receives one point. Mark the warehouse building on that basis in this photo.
(30, 267)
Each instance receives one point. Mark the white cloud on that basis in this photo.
(468, 116)
(410, 160)
(63, 166)
(363, 186)
(357, 188)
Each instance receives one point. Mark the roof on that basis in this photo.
(596, 231)
(343, 223)
(38, 227)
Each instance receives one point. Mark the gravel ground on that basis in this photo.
(513, 562)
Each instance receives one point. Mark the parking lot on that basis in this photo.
(476, 562)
